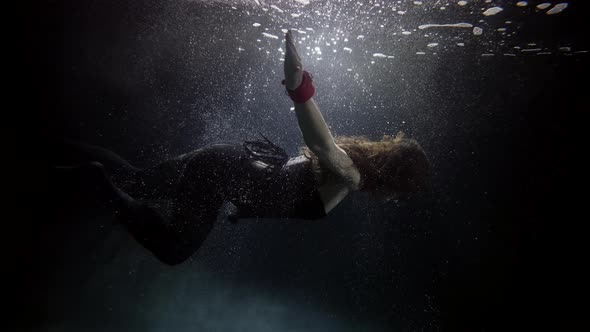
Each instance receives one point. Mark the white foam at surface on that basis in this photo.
(477, 31)
(522, 3)
(462, 3)
(390, 56)
(565, 49)
(256, 24)
(360, 37)
(454, 25)
(379, 55)
(295, 15)
(309, 29)
(432, 44)
(268, 35)
(417, 2)
(487, 54)
(460, 44)
(406, 33)
(531, 50)
(493, 11)
(277, 8)
(420, 53)
(543, 5)
(284, 30)
(557, 8)
(303, 2)
(501, 29)
(347, 49)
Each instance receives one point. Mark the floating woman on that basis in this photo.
(171, 208)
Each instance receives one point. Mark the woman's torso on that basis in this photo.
(289, 190)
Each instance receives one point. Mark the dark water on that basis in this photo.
(496, 248)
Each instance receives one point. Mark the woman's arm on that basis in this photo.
(319, 139)
(316, 134)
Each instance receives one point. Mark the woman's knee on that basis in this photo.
(168, 248)
(173, 257)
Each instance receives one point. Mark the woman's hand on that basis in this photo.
(293, 66)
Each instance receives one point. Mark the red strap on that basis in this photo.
(304, 91)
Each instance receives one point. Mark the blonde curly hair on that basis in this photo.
(395, 164)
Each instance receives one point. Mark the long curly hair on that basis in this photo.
(395, 164)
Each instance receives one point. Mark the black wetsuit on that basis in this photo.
(171, 208)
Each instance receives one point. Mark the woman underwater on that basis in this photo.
(171, 208)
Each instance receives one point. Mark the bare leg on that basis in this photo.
(74, 153)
